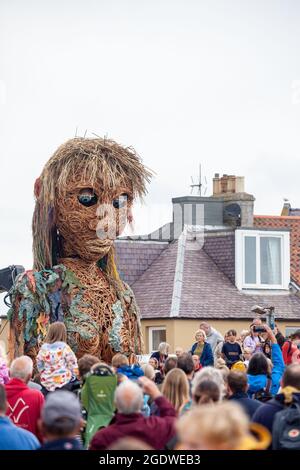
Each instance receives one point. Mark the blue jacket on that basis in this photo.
(258, 382)
(66, 443)
(207, 357)
(250, 406)
(156, 355)
(15, 438)
(132, 372)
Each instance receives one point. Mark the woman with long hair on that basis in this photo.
(176, 389)
(56, 362)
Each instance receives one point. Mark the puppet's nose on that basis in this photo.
(96, 223)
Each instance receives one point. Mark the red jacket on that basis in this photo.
(24, 405)
(155, 430)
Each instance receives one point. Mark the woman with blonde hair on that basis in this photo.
(56, 362)
(149, 371)
(202, 349)
(175, 388)
(221, 426)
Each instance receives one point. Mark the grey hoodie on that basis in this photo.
(213, 338)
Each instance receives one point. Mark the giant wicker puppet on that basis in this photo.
(84, 198)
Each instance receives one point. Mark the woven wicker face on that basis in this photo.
(81, 197)
(89, 220)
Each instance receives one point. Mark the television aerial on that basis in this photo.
(199, 186)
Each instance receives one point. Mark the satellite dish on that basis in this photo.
(232, 214)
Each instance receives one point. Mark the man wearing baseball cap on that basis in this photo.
(61, 421)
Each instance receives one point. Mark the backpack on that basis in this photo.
(97, 398)
(286, 428)
(264, 394)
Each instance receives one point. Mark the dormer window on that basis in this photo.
(262, 259)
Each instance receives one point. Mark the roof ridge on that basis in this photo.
(178, 275)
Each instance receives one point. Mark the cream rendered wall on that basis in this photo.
(180, 332)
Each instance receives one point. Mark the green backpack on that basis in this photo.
(97, 397)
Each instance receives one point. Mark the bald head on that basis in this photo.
(291, 376)
(21, 368)
(205, 327)
(129, 398)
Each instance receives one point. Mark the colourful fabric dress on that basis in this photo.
(57, 364)
(4, 372)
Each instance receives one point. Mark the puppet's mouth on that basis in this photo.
(106, 236)
(98, 244)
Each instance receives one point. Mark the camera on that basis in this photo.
(268, 312)
(259, 310)
(259, 329)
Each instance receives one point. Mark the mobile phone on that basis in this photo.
(259, 329)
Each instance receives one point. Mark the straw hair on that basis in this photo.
(56, 332)
(81, 160)
(176, 388)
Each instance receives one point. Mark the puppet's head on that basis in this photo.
(84, 198)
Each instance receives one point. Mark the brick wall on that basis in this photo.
(292, 223)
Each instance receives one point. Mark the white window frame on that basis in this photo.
(151, 329)
(240, 235)
(290, 330)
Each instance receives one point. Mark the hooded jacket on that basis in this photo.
(155, 430)
(24, 405)
(259, 382)
(213, 338)
(131, 372)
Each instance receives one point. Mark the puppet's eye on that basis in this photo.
(120, 201)
(87, 197)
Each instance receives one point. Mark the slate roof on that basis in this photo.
(205, 291)
(208, 293)
(221, 249)
(134, 257)
(294, 212)
(154, 288)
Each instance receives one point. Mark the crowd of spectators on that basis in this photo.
(221, 393)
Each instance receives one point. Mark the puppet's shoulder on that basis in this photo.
(35, 283)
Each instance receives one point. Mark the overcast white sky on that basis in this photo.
(183, 81)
